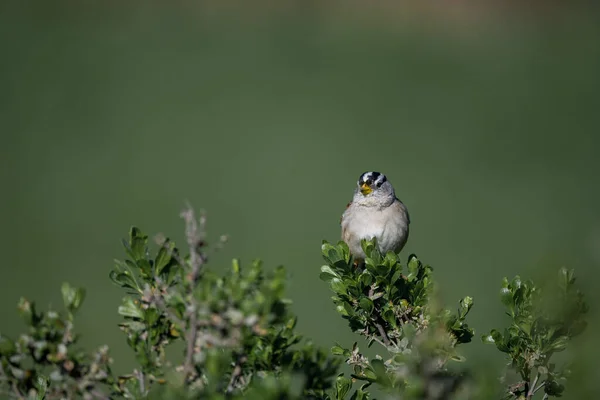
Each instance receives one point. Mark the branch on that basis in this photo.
(13, 385)
(379, 327)
(541, 385)
(195, 239)
(386, 340)
(531, 391)
(237, 371)
(141, 380)
(162, 306)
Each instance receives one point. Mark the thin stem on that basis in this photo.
(13, 385)
(541, 385)
(532, 387)
(99, 395)
(376, 339)
(160, 303)
(386, 340)
(194, 235)
(237, 371)
(141, 380)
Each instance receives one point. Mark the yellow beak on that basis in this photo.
(365, 189)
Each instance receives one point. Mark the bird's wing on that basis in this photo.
(342, 217)
(404, 208)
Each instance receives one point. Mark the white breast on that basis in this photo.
(389, 226)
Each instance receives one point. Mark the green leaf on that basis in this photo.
(558, 344)
(163, 258)
(367, 304)
(151, 316)
(342, 386)
(41, 384)
(137, 244)
(359, 394)
(338, 286)
(72, 297)
(124, 280)
(366, 278)
(338, 350)
(130, 309)
(465, 306)
(565, 278)
(330, 253)
(342, 310)
(367, 374)
(414, 265)
(7, 346)
(27, 311)
(395, 276)
(327, 273)
(506, 297)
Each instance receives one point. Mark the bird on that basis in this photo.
(375, 212)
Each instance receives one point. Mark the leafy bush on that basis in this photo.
(240, 340)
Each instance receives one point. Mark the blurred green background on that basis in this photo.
(114, 114)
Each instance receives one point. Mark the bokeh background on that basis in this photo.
(486, 119)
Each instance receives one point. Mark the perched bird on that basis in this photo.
(375, 211)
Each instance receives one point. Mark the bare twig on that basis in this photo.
(141, 380)
(376, 339)
(384, 336)
(386, 341)
(160, 303)
(14, 386)
(532, 387)
(541, 385)
(195, 235)
(99, 395)
(235, 374)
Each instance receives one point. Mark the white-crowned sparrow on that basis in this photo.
(375, 211)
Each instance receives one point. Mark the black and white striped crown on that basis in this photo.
(372, 178)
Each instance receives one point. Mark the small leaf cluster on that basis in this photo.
(543, 320)
(394, 306)
(237, 326)
(45, 362)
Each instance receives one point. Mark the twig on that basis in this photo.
(384, 336)
(140, 376)
(376, 339)
(159, 302)
(237, 371)
(194, 235)
(13, 385)
(545, 397)
(386, 340)
(99, 395)
(532, 387)
(541, 385)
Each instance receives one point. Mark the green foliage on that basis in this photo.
(45, 362)
(239, 332)
(543, 322)
(394, 306)
(239, 336)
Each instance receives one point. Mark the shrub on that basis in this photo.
(240, 340)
